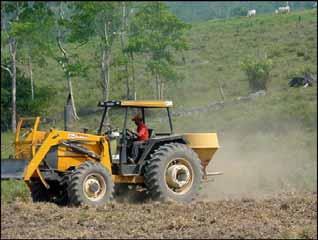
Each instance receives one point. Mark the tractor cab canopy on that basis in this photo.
(141, 104)
(129, 108)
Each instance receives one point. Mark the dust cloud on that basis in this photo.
(263, 163)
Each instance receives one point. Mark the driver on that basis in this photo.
(142, 129)
(143, 135)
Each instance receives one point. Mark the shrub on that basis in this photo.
(257, 72)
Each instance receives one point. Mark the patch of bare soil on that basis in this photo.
(288, 215)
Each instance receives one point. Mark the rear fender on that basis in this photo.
(155, 143)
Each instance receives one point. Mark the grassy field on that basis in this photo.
(14, 190)
(279, 129)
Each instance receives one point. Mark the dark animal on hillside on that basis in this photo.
(305, 81)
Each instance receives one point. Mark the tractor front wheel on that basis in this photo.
(90, 184)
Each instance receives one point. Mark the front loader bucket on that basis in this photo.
(12, 168)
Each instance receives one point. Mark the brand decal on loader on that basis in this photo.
(74, 135)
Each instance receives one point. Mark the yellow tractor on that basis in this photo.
(81, 168)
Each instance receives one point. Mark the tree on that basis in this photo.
(21, 24)
(155, 33)
(101, 20)
(12, 10)
(24, 103)
(34, 40)
(123, 32)
(65, 61)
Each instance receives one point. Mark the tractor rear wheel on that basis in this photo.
(174, 172)
(90, 184)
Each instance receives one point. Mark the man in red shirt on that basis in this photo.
(142, 129)
(143, 135)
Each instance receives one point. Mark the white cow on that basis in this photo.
(251, 12)
(285, 9)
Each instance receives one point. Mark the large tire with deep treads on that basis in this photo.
(169, 160)
(90, 184)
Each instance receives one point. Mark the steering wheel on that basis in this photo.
(131, 134)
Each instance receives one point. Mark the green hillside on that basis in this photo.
(216, 49)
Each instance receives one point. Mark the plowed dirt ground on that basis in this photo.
(287, 215)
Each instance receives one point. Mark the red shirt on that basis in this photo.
(142, 131)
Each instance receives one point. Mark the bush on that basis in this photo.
(257, 72)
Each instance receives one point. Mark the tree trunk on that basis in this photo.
(157, 87)
(108, 59)
(162, 90)
(122, 41)
(105, 62)
(12, 48)
(105, 76)
(103, 73)
(65, 56)
(221, 90)
(126, 67)
(127, 82)
(133, 75)
(31, 76)
(70, 89)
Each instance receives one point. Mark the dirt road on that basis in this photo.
(288, 215)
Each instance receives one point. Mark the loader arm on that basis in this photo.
(52, 139)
